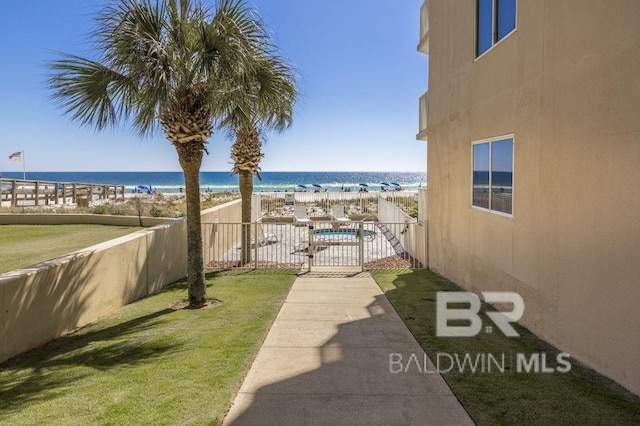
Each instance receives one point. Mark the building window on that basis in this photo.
(493, 175)
(495, 19)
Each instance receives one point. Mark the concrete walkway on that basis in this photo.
(326, 362)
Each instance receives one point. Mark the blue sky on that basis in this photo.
(360, 77)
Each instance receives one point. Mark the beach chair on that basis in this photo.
(263, 238)
(300, 215)
(338, 215)
(301, 245)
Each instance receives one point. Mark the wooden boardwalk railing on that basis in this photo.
(35, 193)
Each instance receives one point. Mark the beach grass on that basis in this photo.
(153, 205)
(24, 245)
(150, 363)
(580, 396)
(161, 205)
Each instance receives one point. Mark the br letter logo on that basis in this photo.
(467, 319)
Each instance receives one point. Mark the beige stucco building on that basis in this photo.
(552, 87)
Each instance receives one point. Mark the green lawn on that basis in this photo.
(24, 245)
(148, 364)
(578, 397)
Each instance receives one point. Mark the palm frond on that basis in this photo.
(154, 53)
(265, 99)
(92, 93)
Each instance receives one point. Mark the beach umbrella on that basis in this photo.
(364, 184)
(395, 184)
(317, 185)
(302, 186)
(144, 187)
(384, 183)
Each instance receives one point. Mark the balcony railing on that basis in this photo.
(423, 44)
(422, 122)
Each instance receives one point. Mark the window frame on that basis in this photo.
(513, 181)
(494, 28)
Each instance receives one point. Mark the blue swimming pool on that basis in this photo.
(340, 233)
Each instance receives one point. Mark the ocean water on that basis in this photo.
(223, 181)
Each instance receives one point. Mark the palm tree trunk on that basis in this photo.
(246, 189)
(190, 156)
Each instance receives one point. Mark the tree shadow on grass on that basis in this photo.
(47, 372)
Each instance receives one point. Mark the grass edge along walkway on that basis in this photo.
(149, 363)
(580, 396)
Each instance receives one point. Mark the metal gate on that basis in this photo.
(333, 245)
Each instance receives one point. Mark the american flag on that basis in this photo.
(16, 156)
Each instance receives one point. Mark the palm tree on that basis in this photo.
(269, 94)
(169, 64)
